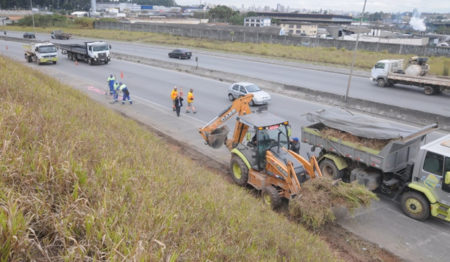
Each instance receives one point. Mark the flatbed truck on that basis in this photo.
(90, 52)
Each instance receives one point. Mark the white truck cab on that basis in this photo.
(383, 67)
(41, 53)
(99, 51)
(429, 191)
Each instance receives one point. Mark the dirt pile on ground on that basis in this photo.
(377, 144)
(314, 207)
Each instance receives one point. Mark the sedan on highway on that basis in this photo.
(29, 35)
(181, 54)
(237, 90)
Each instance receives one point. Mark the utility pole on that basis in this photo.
(32, 15)
(354, 51)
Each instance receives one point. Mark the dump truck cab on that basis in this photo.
(430, 181)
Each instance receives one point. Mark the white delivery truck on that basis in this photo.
(390, 72)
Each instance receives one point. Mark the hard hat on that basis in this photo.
(295, 139)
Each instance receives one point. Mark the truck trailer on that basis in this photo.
(386, 158)
(90, 52)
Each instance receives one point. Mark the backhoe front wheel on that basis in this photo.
(239, 171)
(271, 197)
(415, 205)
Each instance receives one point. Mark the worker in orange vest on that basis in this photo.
(173, 95)
(190, 101)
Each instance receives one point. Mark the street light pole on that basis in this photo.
(354, 52)
(32, 14)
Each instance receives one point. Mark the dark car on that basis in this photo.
(29, 35)
(181, 54)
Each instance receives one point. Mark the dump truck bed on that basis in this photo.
(395, 152)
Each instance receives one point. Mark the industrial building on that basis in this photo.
(257, 21)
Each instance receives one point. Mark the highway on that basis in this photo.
(290, 73)
(383, 223)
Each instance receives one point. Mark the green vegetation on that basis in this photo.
(331, 55)
(79, 182)
(65, 5)
(57, 21)
(222, 13)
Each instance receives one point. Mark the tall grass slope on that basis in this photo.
(79, 182)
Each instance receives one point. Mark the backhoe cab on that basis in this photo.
(260, 154)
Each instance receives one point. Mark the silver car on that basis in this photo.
(237, 90)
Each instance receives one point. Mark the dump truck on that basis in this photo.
(41, 53)
(260, 152)
(58, 34)
(390, 72)
(91, 52)
(386, 158)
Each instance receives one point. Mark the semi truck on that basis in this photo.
(386, 158)
(41, 53)
(390, 72)
(90, 52)
(58, 34)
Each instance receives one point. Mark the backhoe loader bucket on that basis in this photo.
(217, 137)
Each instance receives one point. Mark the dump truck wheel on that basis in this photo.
(381, 82)
(330, 169)
(415, 205)
(271, 197)
(239, 171)
(29, 59)
(428, 90)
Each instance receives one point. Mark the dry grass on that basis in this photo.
(342, 57)
(377, 144)
(314, 207)
(78, 182)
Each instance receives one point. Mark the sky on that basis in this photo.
(438, 6)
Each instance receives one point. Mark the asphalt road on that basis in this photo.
(383, 223)
(319, 78)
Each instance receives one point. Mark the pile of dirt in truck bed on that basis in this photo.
(377, 144)
(314, 206)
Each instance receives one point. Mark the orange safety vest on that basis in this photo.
(173, 94)
(190, 97)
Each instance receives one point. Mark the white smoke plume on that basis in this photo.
(416, 22)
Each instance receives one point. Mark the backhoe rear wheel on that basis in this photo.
(239, 171)
(271, 197)
(329, 168)
(415, 205)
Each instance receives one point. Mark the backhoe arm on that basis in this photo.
(214, 133)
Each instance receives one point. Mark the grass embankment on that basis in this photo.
(78, 181)
(343, 57)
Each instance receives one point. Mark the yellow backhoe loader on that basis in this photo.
(260, 154)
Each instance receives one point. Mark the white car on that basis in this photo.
(237, 90)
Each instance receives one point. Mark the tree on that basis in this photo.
(221, 12)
